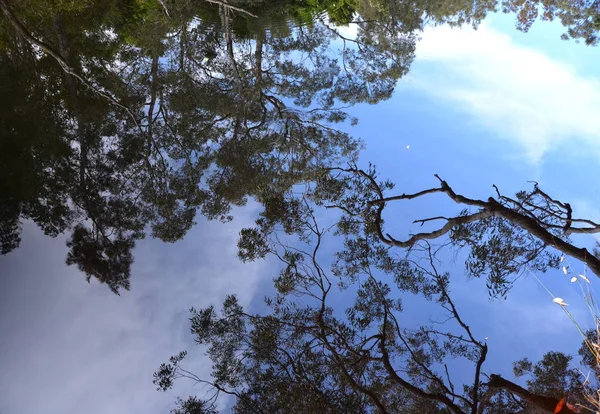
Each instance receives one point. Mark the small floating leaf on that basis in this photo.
(584, 278)
(559, 301)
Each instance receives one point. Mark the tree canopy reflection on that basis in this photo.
(123, 116)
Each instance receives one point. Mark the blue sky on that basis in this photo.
(496, 106)
(484, 107)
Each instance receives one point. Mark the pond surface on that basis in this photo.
(147, 145)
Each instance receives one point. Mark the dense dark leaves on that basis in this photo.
(307, 353)
(107, 259)
(554, 375)
(33, 151)
(117, 106)
(194, 406)
(108, 135)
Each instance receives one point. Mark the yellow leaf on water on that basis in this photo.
(565, 271)
(573, 279)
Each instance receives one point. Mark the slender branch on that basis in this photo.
(423, 221)
(483, 348)
(489, 208)
(357, 386)
(162, 3)
(477, 380)
(450, 383)
(229, 6)
(441, 398)
(406, 196)
(450, 224)
(23, 31)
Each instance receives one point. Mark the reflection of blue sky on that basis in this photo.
(70, 347)
(479, 108)
(495, 106)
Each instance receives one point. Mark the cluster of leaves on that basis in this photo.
(123, 117)
(501, 252)
(305, 355)
(580, 18)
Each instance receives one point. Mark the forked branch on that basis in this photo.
(547, 219)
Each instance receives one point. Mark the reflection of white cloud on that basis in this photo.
(535, 101)
(79, 348)
(349, 31)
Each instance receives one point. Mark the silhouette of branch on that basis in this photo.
(229, 6)
(487, 208)
(548, 404)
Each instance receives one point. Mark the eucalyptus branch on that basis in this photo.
(487, 208)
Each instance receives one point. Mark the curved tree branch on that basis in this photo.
(548, 404)
(488, 208)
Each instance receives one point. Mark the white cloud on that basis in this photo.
(69, 347)
(519, 93)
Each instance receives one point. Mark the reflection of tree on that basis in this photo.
(505, 235)
(580, 18)
(309, 354)
(34, 154)
(337, 341)
(415, 14)
(146, 113)
(156, 117)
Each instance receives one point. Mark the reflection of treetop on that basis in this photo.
(120, 114)
(149, 117)
(341, 340)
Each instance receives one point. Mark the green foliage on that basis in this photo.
(580, 18)
(156, 127)
(252, 245)
(194, 406)
(304, 355)
(163, 378)
(33, 152)
(339, 12)
(555, 375)
(552, 375)
(500, 251)
(107, 259)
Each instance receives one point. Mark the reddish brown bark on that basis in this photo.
(548, 404)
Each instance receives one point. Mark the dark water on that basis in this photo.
(121, 120)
